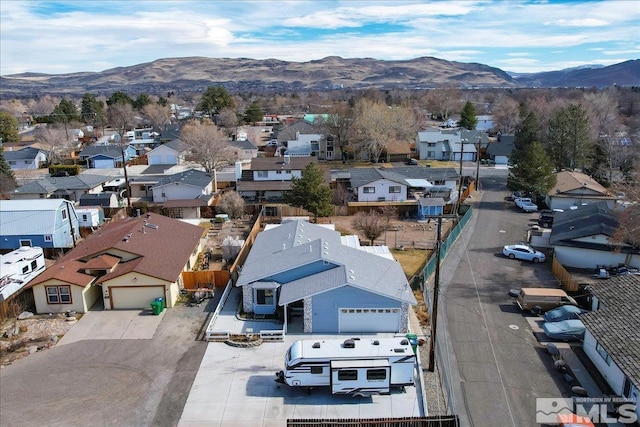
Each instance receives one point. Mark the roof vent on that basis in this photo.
(148, 224)
(376, 342)
(316, 345)
(350, 343)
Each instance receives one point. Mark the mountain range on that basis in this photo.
(193, 74)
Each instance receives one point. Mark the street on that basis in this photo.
(496, 366)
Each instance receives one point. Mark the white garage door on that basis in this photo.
(369, 319)
(128, 297)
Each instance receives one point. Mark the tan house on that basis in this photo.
(127, 264)
(574, 189)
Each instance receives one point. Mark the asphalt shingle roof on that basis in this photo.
(616, 326)
(297, 243)
(192, 177)
(364, 176)
(27, 153)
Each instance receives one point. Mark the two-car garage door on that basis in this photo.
(369, 320)
(133, 297)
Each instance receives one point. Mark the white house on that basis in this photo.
(577, 189)
(485, 123)
(190, 184)
(270, 177)
(612, 338)
(307, 144)
(171, 153)
(449, 144)
(27, 158)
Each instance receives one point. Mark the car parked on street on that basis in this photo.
(565, 312)
(565, 330)
(411, 162)
(528, 206)
(524, 252)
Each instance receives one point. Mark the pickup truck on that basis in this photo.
(520, 200)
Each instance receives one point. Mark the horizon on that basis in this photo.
(85, 36)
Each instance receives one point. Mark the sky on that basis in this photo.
(58, 37)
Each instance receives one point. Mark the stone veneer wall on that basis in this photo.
(308, 315)
(247, 299)
(404, 317)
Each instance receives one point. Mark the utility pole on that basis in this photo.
(126, 179)
(478, 165)
(462, 141)
(434, 308)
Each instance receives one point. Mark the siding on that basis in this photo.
(326, 306)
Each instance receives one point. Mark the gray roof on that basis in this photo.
(100, 199)
(616, 326)
(30, 216)
(288, 133)
(364, 176)
(176, 145)
(27, 153)
(589, 220)
(111, 151)
(244, 145)
(50, 184)
(295, 244)
(191, 177)
(503, 147)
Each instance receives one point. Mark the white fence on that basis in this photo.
(213, 334)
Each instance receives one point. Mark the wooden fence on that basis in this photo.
(568, 283)
(204, 279)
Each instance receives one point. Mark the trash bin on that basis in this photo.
(161, 301)
(413, 339)
(156, 307)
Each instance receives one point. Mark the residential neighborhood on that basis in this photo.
(221, 266)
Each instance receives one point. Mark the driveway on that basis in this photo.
(131, 370)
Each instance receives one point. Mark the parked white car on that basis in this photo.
(529, 207)
(525, 252)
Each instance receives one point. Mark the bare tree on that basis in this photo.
(227, 118)
(121, 117)
(371, 224)
(232, 204)
(628, 230)
(372, 129)
(158, 115)
(55, 142)
(209, 146)
(506, 115)
(42, 106)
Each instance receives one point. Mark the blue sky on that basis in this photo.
(522, 36)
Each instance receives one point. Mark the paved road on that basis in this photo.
(108, 382)
(499, 368)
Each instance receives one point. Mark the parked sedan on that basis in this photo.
(565, 330)
(528, 207)
(524, 252)
(564, 312)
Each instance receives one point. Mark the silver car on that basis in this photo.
(524, 252)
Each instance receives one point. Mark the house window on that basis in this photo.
(12, 162)
(176, 213)
(431, 154)
(278, 172)
(603, 353)
(264, 297)
(368, 190)
(431, 144)
(376, 374)
(58, 294)
(261, 174)
(316, 369)
(270, 211)
(348, 375)
(394, 189)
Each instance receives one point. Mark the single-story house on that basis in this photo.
(187, 185)
(612, 337)
(244, 150)
(106, 156)
(500, 150)
(582, 238)
(107, 199)
(66, 187)
(338, 287)
(26, 158)
(126, 263)
(46, 223)
(171, 153)
(577, 189)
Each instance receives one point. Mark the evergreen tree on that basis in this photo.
(8, 128)
(119, 97)
(468, 119)
(7, 179)
(533, 173)
(569, 140)
(92, 110)
(253, 113)
(310, 193)
(65, 112)
(141, 101)
(214, 100)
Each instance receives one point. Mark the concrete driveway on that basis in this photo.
(117, 368)
(114, 325)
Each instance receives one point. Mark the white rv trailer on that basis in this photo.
(18, 268)
(359, 367)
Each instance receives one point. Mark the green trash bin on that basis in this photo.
(160, 301)
(413, 339)
(156, 307)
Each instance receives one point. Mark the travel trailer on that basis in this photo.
(358, 367)
(18, 268)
